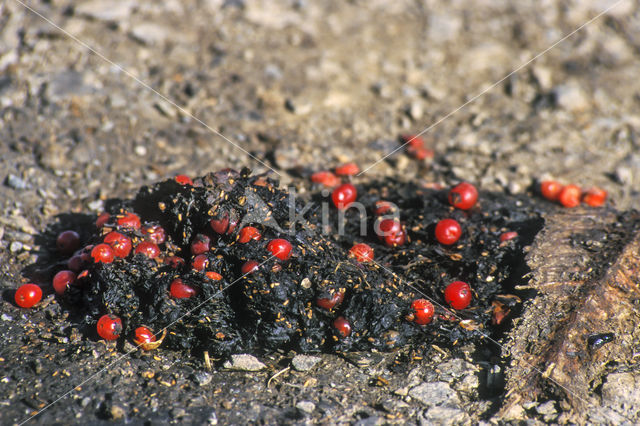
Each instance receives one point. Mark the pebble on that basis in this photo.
(434, 394)
(109, 10)
(306, 406)
(202, 378)
(444, 415)
(6, 317)
(213, 418)
(571, 97)
(546, 409)
(15, 182)
(244, 362)
(178, 413)
(304, 362)
(149, 33)
(116, 412)
(15, 247)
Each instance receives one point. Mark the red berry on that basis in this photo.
(68, 242)
(595, 197)
(362, 252)
(200, 244)
(396, 239)
(62, 280)
(342, 326)
(155, 233)
(213, 275)
(200, 262)
(27, 295)
(179, 290)
(325, 178)
(233, 222)
(391, 232)
(174, 261)
(550, 189)
(148, 248)
(76, 263)
(120, 243)
(249, 233)
(103, 218)
(329, 303)
(508, 236)
(129, 220)
(344, 195)
(570, 196)
(280, 248)
(458, 295)
(420, 153)
(109, 327)
(422, 311)
(412, 141)
(348, 169)
(249, 267)
(463, 196)
(382, 207)
(143, 335)
(220, 225)
(102, 253)
(448, 231)
(183, 180)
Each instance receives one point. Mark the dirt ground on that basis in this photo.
(295, 86)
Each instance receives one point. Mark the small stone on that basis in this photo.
(548, 408)
(96, 206)
(434, 394)
(444, 415)
(178, 413)
(85, 401)
(15, 247)
(202, 378)
(13, 181)
(304, 362)
(116, 412)
(401, 391)
(110, 10)
(415, 111)
(571, 97)
(213, 418)
(244, 362)
(140, 150)
(149, 33)
(306, 406)
(6, 317)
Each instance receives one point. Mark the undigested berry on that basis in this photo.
(249, 233)
(348, 169)
(179, 290)
(68, 242)
(325, 178)
(62, 280)
(362, 252)
(342, 326)
(550, 189)
(458, 295)
(463, 196)
(595, 197)
(28, 295)
(422, 311)
(102, 253)
(570, 196)
(330, 302)
(129, 221)
(120, 243)
(280, 248)
(109, 327)
(344, 195)
(448, 231)
(149, 249)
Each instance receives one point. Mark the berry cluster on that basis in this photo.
(571, 195)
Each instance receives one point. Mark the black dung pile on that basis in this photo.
(275, 306)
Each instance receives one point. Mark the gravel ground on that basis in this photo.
(299, 85)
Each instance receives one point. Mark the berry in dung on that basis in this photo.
(102, 219)
(249, 267)
(329, 303)
(120, 243)
(143, 335)
(362, 252)
(280, 248)
(344, 195)
(422, 311)
(463, 196)
(448, 231)
(200, 262)
(109, 327)
(458, 295)
(391, 232)
(27, 295)
(183, 180)
(129, 220)
(174, 261)
(220, 225)
(249, 233)
(325, 178)
(200, 244)
(595, 197)
(179, 290)
(348, 169)
(506, 236)
(342, 326)
(397, 239)
(213, 275)
(62, 280)
(570, 196)
(550, 189)
(148, 248)
(154, 233)
(102, 253)
(382, 207)
(68, 242)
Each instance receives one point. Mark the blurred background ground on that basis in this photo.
(301, 85)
